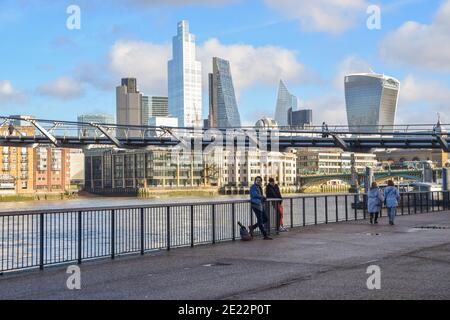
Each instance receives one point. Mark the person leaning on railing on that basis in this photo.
(257, 203)
(273, 192)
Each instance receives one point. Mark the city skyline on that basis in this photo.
(75, 71)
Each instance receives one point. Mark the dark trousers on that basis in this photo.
(374, 215)
(261, 219)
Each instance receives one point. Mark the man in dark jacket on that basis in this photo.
(257, 203)
(273, 192)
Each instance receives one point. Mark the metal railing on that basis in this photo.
(34, 239)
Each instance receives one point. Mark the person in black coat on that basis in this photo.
(273, 192)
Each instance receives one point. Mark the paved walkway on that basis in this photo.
(316, 262)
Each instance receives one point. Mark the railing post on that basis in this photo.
(356, 201)
(233, 220)
(402, 205)
(409, 203)
(41, 241)
(268, 206)
(142, 232)
(213, 223)
(304, 211)
(346, 207)
(277, 217)
(364, 206)
(80, 237)
(292, 212)
(315, 210)
(415, 204)
(168, 227)
(113, 234)
(337, 208)
(326, 209)
(432, 202)
(192, 226)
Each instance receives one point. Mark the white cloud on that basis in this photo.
(145, 61)
(64, 88)
(329, 108)
(349, 65)
(422, 45)
(153, 3)
(249, 65)
(253, 65)
(334, 16)
(419, 90)
(8, 93)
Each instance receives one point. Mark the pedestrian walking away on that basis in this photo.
(391, 198)
(374, 202)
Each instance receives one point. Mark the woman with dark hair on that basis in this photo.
(374, 201)
(391, 198)
(257, 202)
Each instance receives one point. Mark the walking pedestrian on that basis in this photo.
(391, 198)
(273, 192)
(257, 203)
(374, 201)
(324, 130)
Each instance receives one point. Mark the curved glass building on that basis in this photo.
(371, 100)
(223, 110)
(285, 101)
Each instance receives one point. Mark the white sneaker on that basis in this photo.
(283, 229)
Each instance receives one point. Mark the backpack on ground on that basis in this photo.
(245, 235)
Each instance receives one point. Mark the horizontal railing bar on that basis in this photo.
(153, 206)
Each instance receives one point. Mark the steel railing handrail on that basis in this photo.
(176, 204)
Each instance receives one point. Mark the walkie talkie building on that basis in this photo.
(371, 100)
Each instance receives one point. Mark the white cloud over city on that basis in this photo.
(333, 16)
(63, 88)
(250, 65)
(8, 93)
(425, 46)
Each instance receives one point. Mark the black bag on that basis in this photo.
(245, 235)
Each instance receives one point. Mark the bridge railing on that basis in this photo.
(35, 239)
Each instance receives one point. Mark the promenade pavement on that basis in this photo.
(327, 261)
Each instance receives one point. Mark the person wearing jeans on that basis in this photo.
(391, 198)
(257, 203)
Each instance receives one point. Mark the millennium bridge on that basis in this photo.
(70, 134)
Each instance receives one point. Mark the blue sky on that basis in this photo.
(49, 71)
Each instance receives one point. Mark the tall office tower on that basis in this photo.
(129, 105)
(371, 100)
(158, 106)
(185, 79)
(145, 105)
(223, 111)
(100, 118)
(285, 101)
(300, 118)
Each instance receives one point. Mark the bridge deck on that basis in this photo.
(316, 262)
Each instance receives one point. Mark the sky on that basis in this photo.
(51, 71)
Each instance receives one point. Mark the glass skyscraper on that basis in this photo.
(285, 101)
(371, 101)
(223, 110)
(185, 79)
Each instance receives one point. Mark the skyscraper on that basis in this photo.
(99, 118)
(285, 101)
(371, 100)
(185, 79)
(223, 111)
(158, 106)
(300, 118)
(129, 104)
